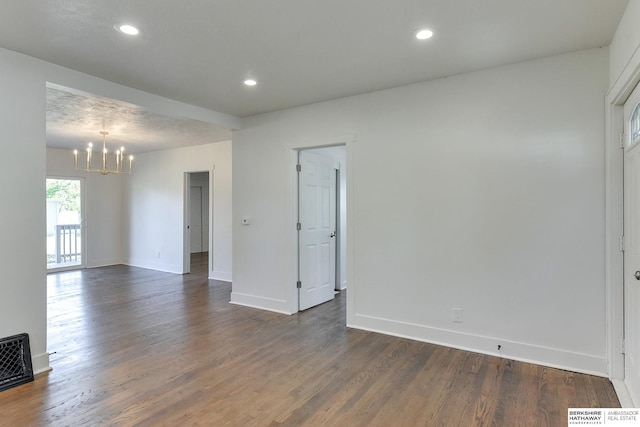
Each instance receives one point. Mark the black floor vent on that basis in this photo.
(15, 361)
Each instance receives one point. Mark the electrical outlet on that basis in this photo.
(158, 254)
(456, 315)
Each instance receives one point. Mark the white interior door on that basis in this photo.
(316, 238)
(632, 245)
(196, 219)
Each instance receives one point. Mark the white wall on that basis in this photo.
(154, 205)
(483, 192)
(103, 208)
(22, 217)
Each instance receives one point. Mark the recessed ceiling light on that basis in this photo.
(424, 34)
(250, 82)
(127, 29)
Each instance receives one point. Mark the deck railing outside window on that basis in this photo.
(68, 243)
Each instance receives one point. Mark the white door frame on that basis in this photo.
(186, 219)
(614, 214)
(292, 253)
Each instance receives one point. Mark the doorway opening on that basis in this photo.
(197, 237)
(64, 234)
(320, 203)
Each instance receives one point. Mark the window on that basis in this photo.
(634, 123)
(64, 219)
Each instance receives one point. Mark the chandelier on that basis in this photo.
(106, 162)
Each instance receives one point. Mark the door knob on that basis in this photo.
(334, 235)
(637, 275)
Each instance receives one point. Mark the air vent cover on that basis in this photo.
(15, 361)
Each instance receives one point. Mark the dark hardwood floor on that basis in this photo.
(145, 348)
(200, 263)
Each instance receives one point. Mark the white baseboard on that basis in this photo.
(269, 304)
(103, 263)
(154, 265)
(40, 363)
(221, 275)
(632, 380)
(623, 394)
(552, 357)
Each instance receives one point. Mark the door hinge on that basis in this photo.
(299, 168)
(622, 243)
(622, 346)
(298, 226)
(622, 140)
(298, 284)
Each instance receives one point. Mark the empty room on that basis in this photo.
(319, 213)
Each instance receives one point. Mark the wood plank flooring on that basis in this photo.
(145, 348)
(200, 263)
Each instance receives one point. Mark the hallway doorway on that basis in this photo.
(200, 264)
(198, 204)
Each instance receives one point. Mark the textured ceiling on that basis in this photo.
(300, 51)
(75, 119)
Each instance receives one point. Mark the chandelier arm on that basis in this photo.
(119, 154)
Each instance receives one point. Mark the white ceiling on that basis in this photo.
(299, 51)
